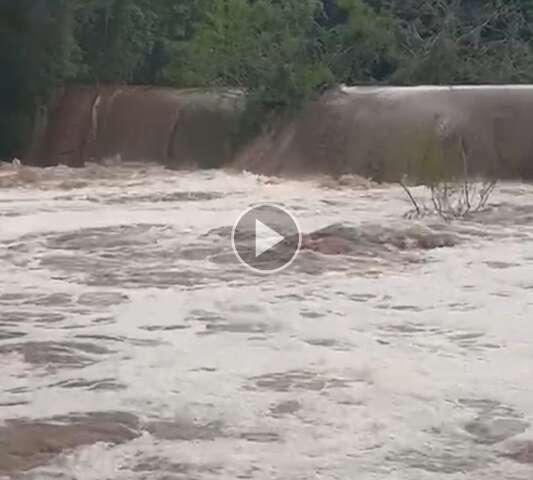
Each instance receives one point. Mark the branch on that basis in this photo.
(413, 201)
(465, 173)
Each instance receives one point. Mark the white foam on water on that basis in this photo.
(383, 373)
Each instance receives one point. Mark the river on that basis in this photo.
(134, 345)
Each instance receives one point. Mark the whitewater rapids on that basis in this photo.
(131, 335)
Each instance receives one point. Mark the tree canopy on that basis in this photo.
(281, 52)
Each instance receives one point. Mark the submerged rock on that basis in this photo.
(346, 239)
(328, 244)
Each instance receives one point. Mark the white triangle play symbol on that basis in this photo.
(265, 238)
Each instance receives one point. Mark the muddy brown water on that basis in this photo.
(135, 346)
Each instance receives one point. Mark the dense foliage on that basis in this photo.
(280, 52)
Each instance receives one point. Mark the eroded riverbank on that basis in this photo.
(134, 345)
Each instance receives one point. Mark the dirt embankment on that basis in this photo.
(381, 133)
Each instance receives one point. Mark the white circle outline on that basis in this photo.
(296, 252)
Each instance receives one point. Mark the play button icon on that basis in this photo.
(266, 238)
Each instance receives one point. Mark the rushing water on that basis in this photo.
(133, 345)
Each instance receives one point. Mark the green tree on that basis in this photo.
(269, 48)
(176, 20)
(115, 36)
(37, 54)
(131, 41)
(361, 44)
(448, 42)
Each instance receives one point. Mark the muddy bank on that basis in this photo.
(379, 133)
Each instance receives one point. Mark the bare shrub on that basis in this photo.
(452, 196)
